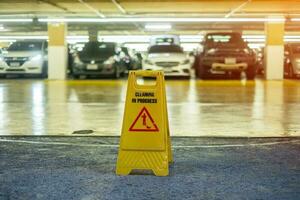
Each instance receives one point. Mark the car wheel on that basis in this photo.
(250, 73)
(291, 72)
(44, 73)
(117, 73)
(201, 72)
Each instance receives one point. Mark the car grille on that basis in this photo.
(167, 64)
(20, 60)
(15, 70)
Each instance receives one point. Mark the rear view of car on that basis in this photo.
(169, 58)
(225, 54)
(100, 59)
(25, 57)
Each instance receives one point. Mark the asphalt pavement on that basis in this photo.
(204, 168)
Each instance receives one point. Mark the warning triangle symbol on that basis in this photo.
(144, 122)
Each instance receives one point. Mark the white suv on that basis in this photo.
(169, 58)
(25, 57)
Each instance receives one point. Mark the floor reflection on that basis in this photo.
(196, 108)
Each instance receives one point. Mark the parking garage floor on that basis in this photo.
(196, 108)
(231, 140)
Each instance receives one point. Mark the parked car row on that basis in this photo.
(222, 54)
(291, 61)
(95, 58)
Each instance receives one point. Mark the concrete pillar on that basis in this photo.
(57, 51)
(93, 34)
(274, 50)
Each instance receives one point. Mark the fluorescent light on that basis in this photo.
(26, 37)
(136, 39)
(295, 19)
(143, 19)
(158, 27)
(7, 40)
(292, 36)
(15, 20)
(253, 36)
(292, 40)
(255, 39)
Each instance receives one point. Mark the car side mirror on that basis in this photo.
(139, 56)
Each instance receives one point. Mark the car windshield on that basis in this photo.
(224, 38)
(165, 49)
(25, 46)
(98, 49)
(296, 48)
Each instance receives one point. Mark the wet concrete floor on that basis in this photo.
(196, 108)
(83, 168)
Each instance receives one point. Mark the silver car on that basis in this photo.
(25, 57)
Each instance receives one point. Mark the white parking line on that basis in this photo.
(174, 146)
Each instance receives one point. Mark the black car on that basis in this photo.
(99, 59)
(225, 54)
(132, 60)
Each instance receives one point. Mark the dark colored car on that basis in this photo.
(99, 59)
(132, 60)
(225, 54)
(292, 60)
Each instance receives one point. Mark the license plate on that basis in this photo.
(167, 70)
(92, 66)
(230, 60)
(14, 64)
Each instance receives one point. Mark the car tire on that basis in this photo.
(117, 73)
(250, 73)
(291, 72)
(76, 76)
(44, 73)
(201, 73)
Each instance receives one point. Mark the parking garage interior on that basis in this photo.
(232, 70)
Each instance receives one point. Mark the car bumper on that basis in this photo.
(26, 68)
(82, 69)
(181, 70)
(219, 64)
(229, 67)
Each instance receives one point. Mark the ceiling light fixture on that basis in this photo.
(143, 19)
(15, 20)
(295, 19)
(158, 27)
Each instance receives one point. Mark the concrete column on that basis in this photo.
(57, 51)
(274, 50)
(93, 34)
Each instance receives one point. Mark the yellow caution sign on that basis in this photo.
(145, 139)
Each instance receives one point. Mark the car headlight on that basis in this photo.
(246, 51)
(109, 62)
(298, 64)
(148, 62)
(77, 59)
(211, 51)
(36, 57)
(186, 61)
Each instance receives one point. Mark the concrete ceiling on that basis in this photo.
(148, 8)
